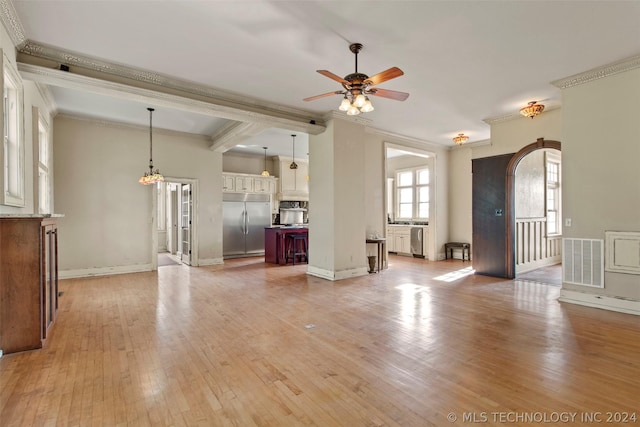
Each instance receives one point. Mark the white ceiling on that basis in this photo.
(464, 61)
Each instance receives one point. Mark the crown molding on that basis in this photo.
(514, 116)
(621, 66)
(409, 141)
(11, 22)
(104, 75)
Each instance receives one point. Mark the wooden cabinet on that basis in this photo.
(28, 281)
(244, 184)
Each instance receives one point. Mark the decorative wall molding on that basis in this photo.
(395, 138)
(336, 275)
(599, 72)
(11, 22)
(47, 96)
(103, 271)
(210, 261)
(622, 305)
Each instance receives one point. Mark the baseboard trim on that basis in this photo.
(622, 305)
(103, 271)
(210, 261)
(336, 275)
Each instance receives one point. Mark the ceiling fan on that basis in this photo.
(358, 87)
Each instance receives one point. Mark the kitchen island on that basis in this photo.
(275, 242)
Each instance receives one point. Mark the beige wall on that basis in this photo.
(107, 226)
(601, 177)
(245, 163)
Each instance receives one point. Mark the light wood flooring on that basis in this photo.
(254, 344)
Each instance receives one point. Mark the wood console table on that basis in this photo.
(381, 243)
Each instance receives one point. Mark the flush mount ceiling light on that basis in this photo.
(532, 110)
(265, 172)
(460, 139)
(358, 87)
(152, 176)
(293, 164)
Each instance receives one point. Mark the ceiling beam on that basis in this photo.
(235, 134)
(43, 64)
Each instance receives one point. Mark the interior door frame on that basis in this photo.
(510, 199)
(195, 200)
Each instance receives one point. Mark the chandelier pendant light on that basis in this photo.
(532, 110)
(293, 164)
(152, 176)
(460, 139)
(265, 172)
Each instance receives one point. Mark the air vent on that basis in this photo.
(583, 262)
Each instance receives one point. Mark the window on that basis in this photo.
(553, 194)
(12, 153)
(41, 147)
(412, 194)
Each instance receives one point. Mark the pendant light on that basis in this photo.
(293, 164)
(265, 172)
(152, 176)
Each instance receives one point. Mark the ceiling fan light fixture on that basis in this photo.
(532, 110)
(460, 139)
(345, 104)
(359, 100)
(367, 107)
(353, 110)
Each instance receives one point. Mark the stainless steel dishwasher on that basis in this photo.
(417, 235)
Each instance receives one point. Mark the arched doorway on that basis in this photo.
(510, 214)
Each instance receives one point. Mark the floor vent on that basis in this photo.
(583, 262)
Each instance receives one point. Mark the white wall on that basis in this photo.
(107, 226)
(601, 177)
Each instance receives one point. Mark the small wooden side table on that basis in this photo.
(381, 245)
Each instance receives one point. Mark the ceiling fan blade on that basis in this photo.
(332, 76)
(389, 74)
(391, 94)
(313, 98)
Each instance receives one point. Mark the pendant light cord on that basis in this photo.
(150, 140)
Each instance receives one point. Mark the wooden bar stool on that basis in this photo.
(296, 247)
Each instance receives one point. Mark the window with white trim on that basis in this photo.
(552, 166)
(44, 174)
(12, 153)
(412, 194)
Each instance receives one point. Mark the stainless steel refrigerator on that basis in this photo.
(244, 217)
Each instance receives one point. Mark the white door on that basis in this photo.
(185, 228)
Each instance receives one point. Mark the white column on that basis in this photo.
(337, 226)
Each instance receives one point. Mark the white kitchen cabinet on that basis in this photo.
(399, 239)
(244, 184)
(391, 247)
(262, 185)
(293, 184)
(228, 182)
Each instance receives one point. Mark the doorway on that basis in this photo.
(175, 234)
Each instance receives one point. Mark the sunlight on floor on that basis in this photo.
(455, 275)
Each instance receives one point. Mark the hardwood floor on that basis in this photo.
(255, 344)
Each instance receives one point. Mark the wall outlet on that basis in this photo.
(567, 222)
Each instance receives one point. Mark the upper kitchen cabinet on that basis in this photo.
(293, 184)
